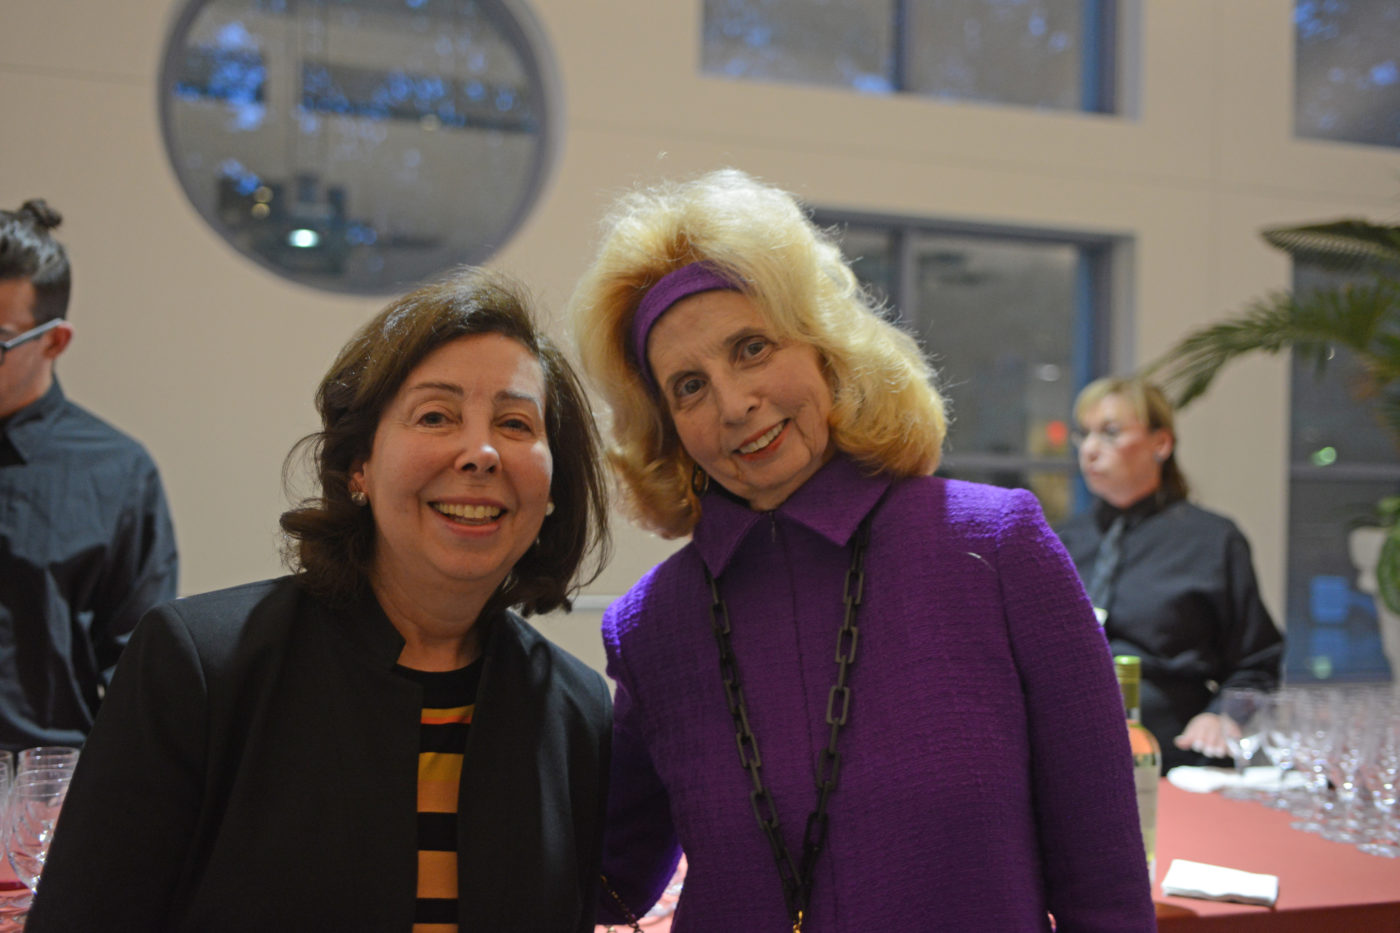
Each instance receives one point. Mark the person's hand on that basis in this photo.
(1205, 733)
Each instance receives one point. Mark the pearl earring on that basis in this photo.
(358, 497)
(549, 507)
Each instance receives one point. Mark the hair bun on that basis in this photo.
(42, 214)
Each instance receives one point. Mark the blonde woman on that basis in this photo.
(1174, 583)
(860, 697)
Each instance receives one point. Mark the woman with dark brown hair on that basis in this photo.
(376, 742)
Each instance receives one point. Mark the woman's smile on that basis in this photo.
(765, 442)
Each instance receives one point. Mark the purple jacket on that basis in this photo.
(985, 772)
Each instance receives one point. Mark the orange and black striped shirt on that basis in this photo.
(449, 698)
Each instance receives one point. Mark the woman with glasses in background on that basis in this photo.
(1171, 582)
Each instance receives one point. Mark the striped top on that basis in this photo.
(449, 698)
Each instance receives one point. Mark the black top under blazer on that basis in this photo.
(254, 767)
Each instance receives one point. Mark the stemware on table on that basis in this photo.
(1345, 743)
(32, 813)
(1347, 749)
(1280, 743)
(1380, 776)
(31, 802)
(1244, 711)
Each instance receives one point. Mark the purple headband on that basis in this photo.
(661, 297)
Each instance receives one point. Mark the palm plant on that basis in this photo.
(1362, 316)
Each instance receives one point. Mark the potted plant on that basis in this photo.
(1362, 316)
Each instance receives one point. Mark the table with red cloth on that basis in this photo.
(1324, 887)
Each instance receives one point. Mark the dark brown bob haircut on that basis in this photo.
(331, 541)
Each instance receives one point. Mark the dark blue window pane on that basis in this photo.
(1342, 463)
(999, 316)
(842, 43)
(1333, 630)
(1348, 70)
(1334, 423)
(1027, 52)
(1038, 53)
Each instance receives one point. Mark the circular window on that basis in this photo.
(359, 145)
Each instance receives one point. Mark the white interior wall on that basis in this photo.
(211, 361)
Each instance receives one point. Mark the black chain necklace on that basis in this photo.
(796, 879)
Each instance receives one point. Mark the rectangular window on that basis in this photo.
(1015, 324)
(1341, 463)
(1051, 54)
(1347, 71)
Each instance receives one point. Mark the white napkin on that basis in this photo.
(1213, 883)
(1206, 780)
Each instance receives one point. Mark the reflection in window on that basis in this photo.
(358, 145)
(1055, 54)
(1014, 324)
(1342, 463)
(1348, 71)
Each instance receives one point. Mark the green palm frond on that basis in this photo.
(1364, 318)
(1342, 245)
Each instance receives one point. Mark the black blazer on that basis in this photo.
(254, 768)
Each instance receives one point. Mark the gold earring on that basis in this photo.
(699, 480)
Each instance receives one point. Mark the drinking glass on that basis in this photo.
(1243, 711)
(1348, 748)
(30, 817)
(47, 756)
(1281, 742)
(1314, 709)
(1380, 775)
(14, 896)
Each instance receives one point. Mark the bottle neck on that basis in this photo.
(1131, 705)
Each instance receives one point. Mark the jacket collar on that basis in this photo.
(376, 640)
(1146, 507)
(832, 503)
(28, 429)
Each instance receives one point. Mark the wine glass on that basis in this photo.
(47, 756)
(1348, 748)
(1243, 711)
(1314, 709)
(14, 896)
(1380, 775)
(29, 819)
(1281, 742)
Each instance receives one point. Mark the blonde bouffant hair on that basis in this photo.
(886, 412)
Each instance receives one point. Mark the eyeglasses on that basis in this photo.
(32, 334)
(1110, 434)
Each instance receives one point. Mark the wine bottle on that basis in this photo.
(1147, 755)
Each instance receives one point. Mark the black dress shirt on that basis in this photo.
(86, 547)
(1185, 600)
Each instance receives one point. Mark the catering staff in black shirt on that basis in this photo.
(1171, 582)
(86, 544)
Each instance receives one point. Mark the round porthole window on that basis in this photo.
(359, 145)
